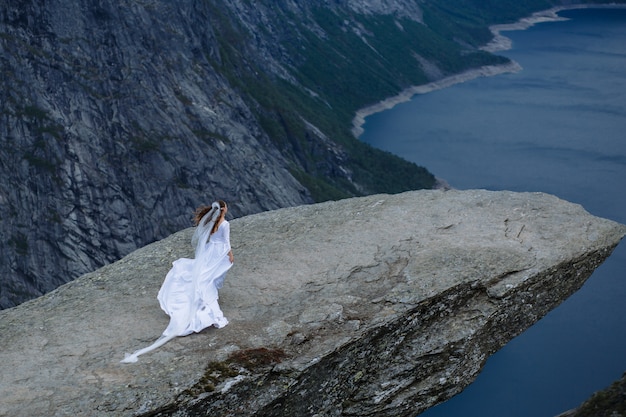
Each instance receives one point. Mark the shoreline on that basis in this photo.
(502, 43)
(405, 95)
(497, 44)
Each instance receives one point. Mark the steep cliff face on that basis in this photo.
(374, 306)
(114, 127)
(117, 118)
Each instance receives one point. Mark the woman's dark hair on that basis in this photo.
(203, 210)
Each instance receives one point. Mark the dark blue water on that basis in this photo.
(558, 126)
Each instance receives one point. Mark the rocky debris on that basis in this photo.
(382, 305)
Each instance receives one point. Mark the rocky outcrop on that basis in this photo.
(382, 305)
(609, 402)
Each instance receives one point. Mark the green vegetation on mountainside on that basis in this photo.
(358, 61)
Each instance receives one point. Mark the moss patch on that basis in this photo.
(238, 363)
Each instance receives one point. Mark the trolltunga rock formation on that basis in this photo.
(382, 305)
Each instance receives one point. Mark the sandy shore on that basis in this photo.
(499, 43)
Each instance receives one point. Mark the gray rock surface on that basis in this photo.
(382, 305)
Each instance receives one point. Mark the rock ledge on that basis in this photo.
(382, 305)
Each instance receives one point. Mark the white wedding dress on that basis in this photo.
(189, 292)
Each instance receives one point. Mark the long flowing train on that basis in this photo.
(134, 357)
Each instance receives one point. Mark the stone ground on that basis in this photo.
(306, 280)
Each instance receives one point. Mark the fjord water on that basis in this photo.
(558, 126)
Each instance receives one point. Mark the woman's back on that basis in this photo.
(222, 234)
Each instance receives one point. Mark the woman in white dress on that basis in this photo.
(189, 293)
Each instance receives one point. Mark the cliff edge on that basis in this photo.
(382, 305)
